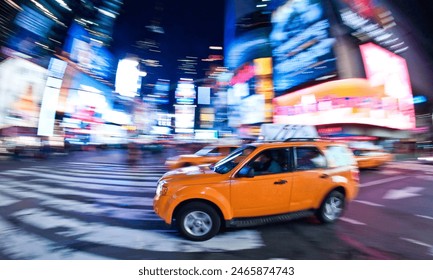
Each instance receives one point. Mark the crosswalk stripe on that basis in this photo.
(101, 173)
(113, 165)
(99, 187)
(142, 177)
(142, 239)
(100, 207)
(63, 178)
(6, 200)
(20, 245)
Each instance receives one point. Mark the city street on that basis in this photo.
(92, 205)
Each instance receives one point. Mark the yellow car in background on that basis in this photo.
(207, 155)
(371, 158)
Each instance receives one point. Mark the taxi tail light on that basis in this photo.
(355, 174)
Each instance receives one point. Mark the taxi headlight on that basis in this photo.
(161, 189)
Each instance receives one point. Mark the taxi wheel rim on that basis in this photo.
(333, 208)
(197, 223)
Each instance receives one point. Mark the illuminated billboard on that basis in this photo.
(185, 91)
(302, 47)
(388, 70)
(369, 20)
(22, 86)
(184, 118)
(31, 33)
(88, 54)
(349, 101)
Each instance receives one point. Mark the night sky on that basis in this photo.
(190, 26)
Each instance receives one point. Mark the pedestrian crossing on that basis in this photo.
(73, 209)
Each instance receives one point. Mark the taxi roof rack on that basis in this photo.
(304, 139)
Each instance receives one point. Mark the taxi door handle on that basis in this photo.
(281, 182)
(324, 176)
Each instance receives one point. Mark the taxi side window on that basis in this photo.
(270, 162)
(308, 158)
(214, 152)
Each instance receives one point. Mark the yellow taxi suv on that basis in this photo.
(259, 183)
(368, 155)
(207, 155)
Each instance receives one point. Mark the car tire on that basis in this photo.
(198, 221)
(332, 207)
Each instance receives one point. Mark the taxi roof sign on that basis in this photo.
(284, 132)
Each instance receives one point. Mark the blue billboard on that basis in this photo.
(89, 54)
(302, 46)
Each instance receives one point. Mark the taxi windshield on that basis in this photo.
(233, 159)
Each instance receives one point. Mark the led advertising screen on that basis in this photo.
(246, 35)
(185, 92)
(302, 47)
(184, 118)
(30, 36)
(369, 20)
(160, 93)
(253, 109)
(22, 86)
(350, 101)
(387, 70)
(87, 53)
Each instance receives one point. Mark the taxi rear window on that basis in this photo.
(339, 156)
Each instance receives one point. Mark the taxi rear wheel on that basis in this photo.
(332, 207)
(198, 221)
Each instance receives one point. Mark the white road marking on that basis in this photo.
(369, 203)
(105, 174)
(416, 242)
(20, 245)
(7, 200)
(402, 193)
(115, 166)
(381, 181)
(425, 217)
(99, 187)
(352, 221)
(99, 207)
(63, 178)
(138, 239)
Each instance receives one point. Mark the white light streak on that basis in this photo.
(107, 13)
(63, 5)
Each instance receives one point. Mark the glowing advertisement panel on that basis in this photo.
(31, 34)
(351, 101)
(302, 47)
(185, 92)
(184, 116)
(386, 69)
(89, 54)
(22, 85)
(369, 20)
(253, 109)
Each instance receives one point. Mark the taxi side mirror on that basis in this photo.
(246, 171)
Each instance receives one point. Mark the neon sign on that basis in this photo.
(244, 74)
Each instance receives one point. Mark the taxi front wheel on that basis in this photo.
(332, 207)
(198, 221)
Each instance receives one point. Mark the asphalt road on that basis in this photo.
(91, 205)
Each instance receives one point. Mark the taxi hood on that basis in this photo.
(195, 174)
